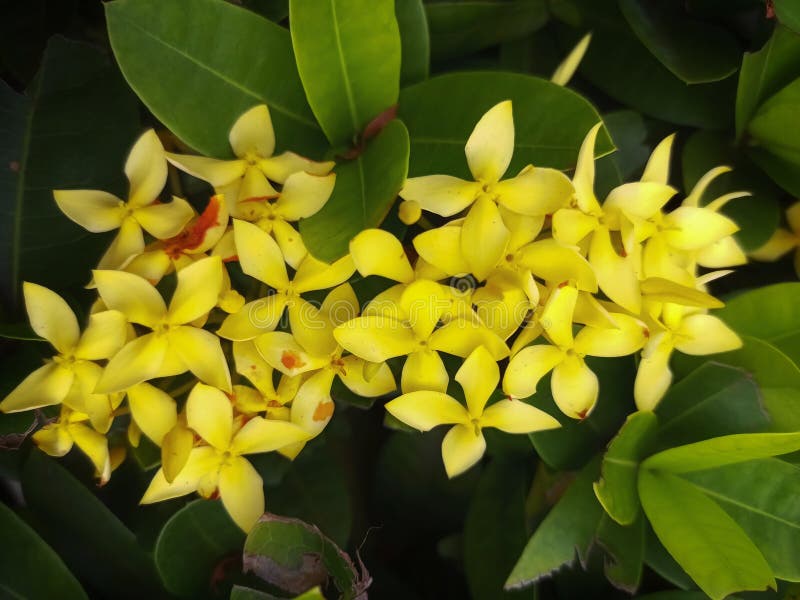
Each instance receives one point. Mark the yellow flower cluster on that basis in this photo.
(534, 269)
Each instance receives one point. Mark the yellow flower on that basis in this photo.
(153, 410)
(783, 240)
(268, 399)
(464, 444)
(96, 211)
(220, 466)
(70, 376)
(173, 346)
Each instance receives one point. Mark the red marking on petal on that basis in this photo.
(195, 233)
(291, 360)
(323, 412)
(583, 413)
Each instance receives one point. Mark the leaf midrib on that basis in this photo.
(348, 90)
(718, 496)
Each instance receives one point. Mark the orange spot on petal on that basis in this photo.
(324, 411)
(291, 360)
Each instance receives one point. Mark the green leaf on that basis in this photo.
(713, 400)
(704, 540)
(575, 442)
(366, 188)
(765, 72)
(693, 50)
(242, 593)
(757, 215)
(624, 548)
(296, 556)
(205, 527)
(414, 40)
(19, 331)
(761, 496)
(570, 525)
(72, 128)
(616, 489)
(495, 530)
(788, 13)
(198, 85)
(274, 10)
(775, 127)
(461, 28)
(438, 136)
(782, 171)
(28, 567)
(660, 560)
(726, 450)
(82, 530)
(348, 55)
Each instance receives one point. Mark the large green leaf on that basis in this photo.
(71, 129)
(784, 172)
(765, 72)
(348, 55)
(569, 527)
(414, 40)
(704, 540)
(788, 13)
(629, 134)
(460, 28)
(761, 496)
(624, 547)
(204, 527)
(775, 126)
(550, 121)
(365, 189)
(693, 50)
(616, 490)
(28, 567)
(495, 531)
(199, 64)
(82, 530)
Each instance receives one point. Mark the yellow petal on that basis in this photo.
(137, 361)
(555, 262)
(527, 367)
(216, 172)
(781, 242)
(96, 406)
(106, 333)
(566, 68)
(210, 414)
(176, 448)
(279, 168)
(304, 195)
(262, 435)
(723, 253)
(375, 338)
(440, 194)
(152, 265)
(705, 334)
(424, 370)
(290, 242)
(252, 365)
(201, 352)
(643, 200)
(252, 133)
(661, 261)
(694, 197)
(425, 410)
(254, 188)
(793, 217)
(409, 212)
(153, 410)
(198, 289)
(583, 178)
(575, 387)
(341, 304)
(313, 274)
(570, 226)
(689, 228)
(129, 242)
(378, 252)
(664, 290)
(460, 337)
(484, 238)
(380, 383)
(259, 255)
(462, 447)
(615, 275)
(653, 376)
(557, 316)
(131, 295)
(46, 386)
(515, 416)
(536, 191)
(164, 220)
(253, 319)
(423, 302)
(657, 168)
(441, 247)
(93, 210)
(201, 461)
(95, 446)
(311, 328)
(282, 352)
(54, 439)
(312, 407)
(491, 144)
(478, 377)
(242, 492)
(628, 337)
(146, 169)
(51, 317)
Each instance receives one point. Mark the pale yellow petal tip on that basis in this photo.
(409, 211)
(565, 70)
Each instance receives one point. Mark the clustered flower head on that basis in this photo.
(532, 272)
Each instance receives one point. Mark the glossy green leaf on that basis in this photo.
(550, 121)
(757, 215)
(82, 530)
(19, 331)
(624, 547)
(72, 128)
(726, 450)
(661, 561)
(713, 400)
(495, 531)
(28, 567)
(348, 55)
(788, 13)
(784, 172)
(775, 126)
(205, 527)
(274, 10)
(570, 526)
(616, 489)
(761, 496)
(199, 64)
(693, 50)
(701, 536)
(414, 41)
(365, 189)
(461, 28)
(296, 556)
(575, 442)
(765, 72)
